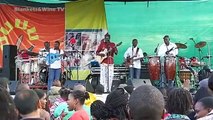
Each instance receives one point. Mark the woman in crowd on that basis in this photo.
(7, 106)
(179, 104)
(76, 102)
(96, 110)
(42, 100)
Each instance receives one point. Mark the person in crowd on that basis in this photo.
(76, 102)
(107, 64)
(7, 107)
(99, 93)
(133, 57)
(4, 82)
(43, 101)
(53, 93)
(205, 91)
(166, 49)
(179, 104)
(27, 102)
(22, 86)
(92, 97)
(203, 76)
(60, 104)
(54, 62)
(96, 110)
(146, 103)
(204, 109)
(116, 105)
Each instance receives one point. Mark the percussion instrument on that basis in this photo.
(29, 66)
(184, 74)
(200, 44)
(43, 74)
(154, 67)
(170, 67)
(183, 62)
(181, 46)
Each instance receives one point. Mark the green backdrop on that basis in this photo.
(150, 22)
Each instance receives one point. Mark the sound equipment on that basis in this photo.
(13, 85)
(9, 54)
(138, 82)
(72, 83)
(144, 71)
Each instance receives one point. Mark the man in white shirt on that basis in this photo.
(55, 65)
(43, 53)
(166, 49)
(133, 57)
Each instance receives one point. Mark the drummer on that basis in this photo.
(43, 52)
(166, 49)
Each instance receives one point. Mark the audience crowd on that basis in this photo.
(145, 102)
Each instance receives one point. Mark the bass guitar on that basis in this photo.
(105, 52)
(52, 57)
(129, 60)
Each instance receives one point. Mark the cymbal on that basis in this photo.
(200, 44)
(181, 46)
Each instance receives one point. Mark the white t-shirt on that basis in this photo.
(131, 52)
(163, 48)
(57, 63)
(43, 52)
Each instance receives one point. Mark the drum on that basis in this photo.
(34, 66)
(170, 67)
(194, 62)
(154, 67)
(43, 74)
(42, 61)
(183, 62)
(25, 68)
(184, 74)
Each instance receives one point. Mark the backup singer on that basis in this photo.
(107, 64)
(133, 57)
(166, 49)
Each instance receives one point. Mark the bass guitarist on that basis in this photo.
(133, 57)
(55, 64)
(107, 64)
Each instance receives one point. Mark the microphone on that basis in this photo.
(156, 48)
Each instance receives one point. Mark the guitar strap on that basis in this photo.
(136, 51)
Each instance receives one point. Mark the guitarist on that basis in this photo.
(55, 67)
(107, 65)
(133, 57)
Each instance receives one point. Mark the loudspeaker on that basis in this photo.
(72, 83)
(13, 85)
(9, 54)
(138, 82)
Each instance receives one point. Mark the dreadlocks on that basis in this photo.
(179, 101)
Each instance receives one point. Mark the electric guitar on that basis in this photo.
(129, 60)
(52, 57)
(105, 52)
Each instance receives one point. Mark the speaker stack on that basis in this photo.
(9, 66)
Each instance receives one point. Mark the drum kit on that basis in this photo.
(185, 65)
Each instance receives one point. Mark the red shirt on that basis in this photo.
(80, 115)
(107, 46)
